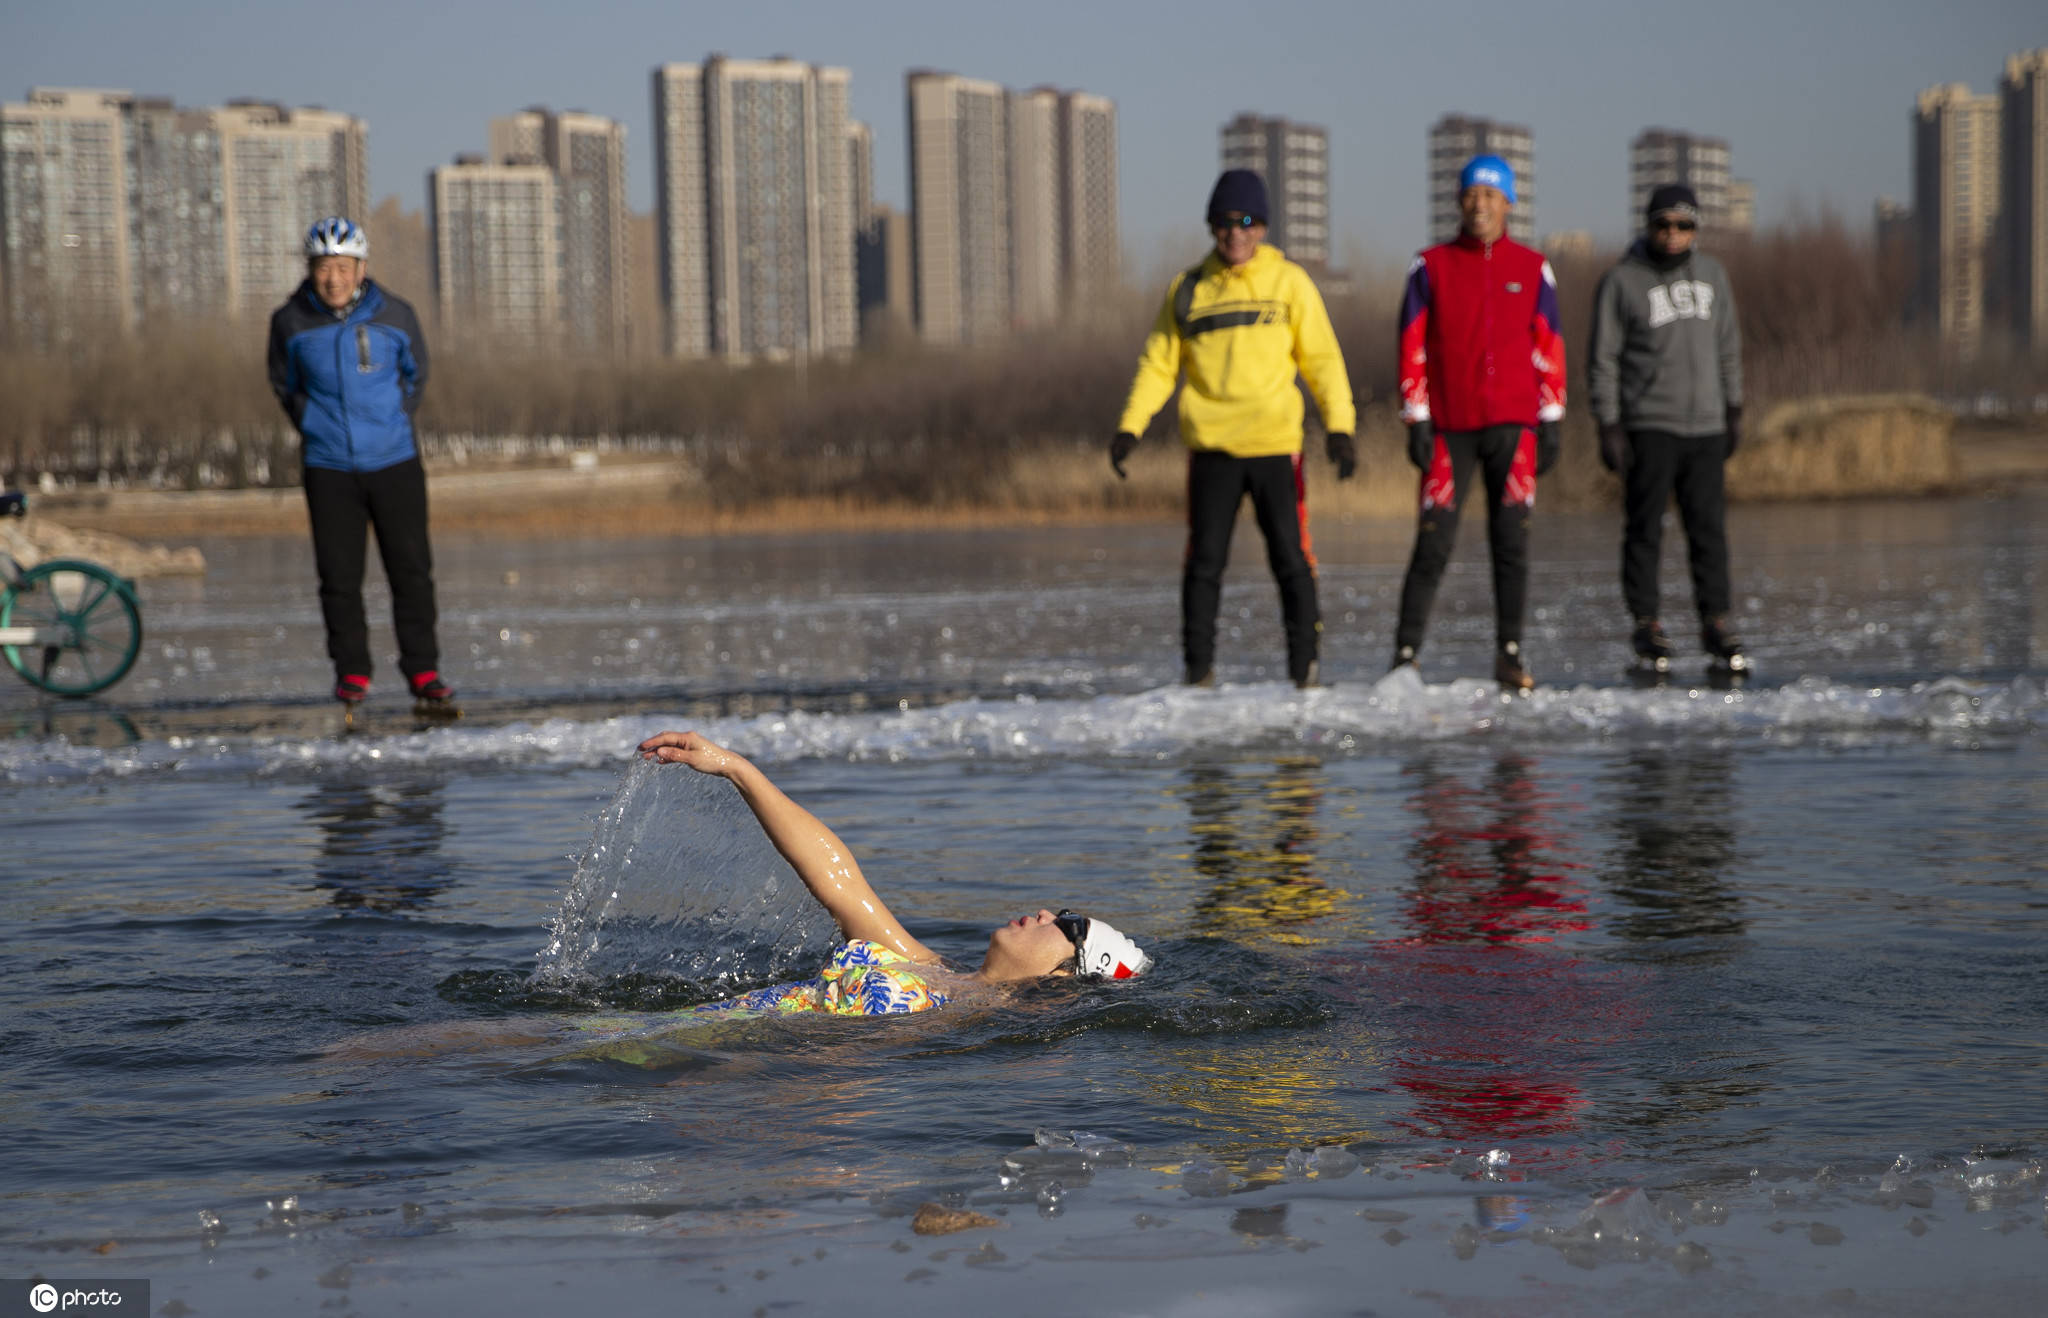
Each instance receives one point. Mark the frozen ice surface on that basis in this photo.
(1132, 1241)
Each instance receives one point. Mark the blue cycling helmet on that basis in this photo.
(1489, 172)
(337, 235)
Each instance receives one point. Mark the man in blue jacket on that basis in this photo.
(348, 361)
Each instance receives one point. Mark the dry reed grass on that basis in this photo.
(1848, 447)
(1820, 448)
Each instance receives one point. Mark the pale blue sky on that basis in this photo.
(1814, 96)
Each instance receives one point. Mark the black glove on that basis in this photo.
(1615, 452)
(1119, 449)
(1342, 452)
(1549, 443)
(1732, 426)
(1421, 443)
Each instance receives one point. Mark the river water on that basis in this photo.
(1603, 1000)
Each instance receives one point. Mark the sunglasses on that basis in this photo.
(1682, 226)
(1075, 927)
(1236, 222)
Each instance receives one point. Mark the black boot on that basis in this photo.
(1720, 641)
(1653, 648)
(1508, 669)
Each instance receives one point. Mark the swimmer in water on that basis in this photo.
(881, 969)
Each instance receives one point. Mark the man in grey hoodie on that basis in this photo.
(1665, 374)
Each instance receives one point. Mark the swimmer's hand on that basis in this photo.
(698, 751)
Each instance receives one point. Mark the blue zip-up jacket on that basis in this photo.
(350, 380)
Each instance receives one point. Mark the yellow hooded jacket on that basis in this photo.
(1241, 334)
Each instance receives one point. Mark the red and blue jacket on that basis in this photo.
(1480, 341)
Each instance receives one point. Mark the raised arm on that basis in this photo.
(820, 859)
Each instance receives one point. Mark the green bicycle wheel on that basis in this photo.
(91, 615)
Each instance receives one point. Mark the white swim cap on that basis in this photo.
(1101, 951)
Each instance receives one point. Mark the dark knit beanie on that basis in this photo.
(1674, 197)
(1240, 190)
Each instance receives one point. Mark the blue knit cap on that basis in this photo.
(1240, 190)
(1489, 172)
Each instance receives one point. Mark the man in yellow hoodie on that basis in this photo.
(1241, 325)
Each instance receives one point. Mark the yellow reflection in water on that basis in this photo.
(1255, 842)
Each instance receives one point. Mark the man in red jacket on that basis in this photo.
(1482, 383)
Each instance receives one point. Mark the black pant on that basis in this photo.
(1691, 467)
(342, 506)
(1217, 484)
(1496, 449)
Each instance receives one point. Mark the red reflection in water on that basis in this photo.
(1495, 1016)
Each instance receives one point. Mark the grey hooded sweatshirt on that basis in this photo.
(1666, 351)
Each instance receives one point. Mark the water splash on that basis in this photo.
(679, 882)
(1346, 717)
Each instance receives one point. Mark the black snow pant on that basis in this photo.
(1217, 484)
(343, 505)
(1690, 467)
(1445, 485)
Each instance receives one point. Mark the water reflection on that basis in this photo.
(1482, 872)
(380, 843)
(1493, 1013)
(79, 723)
(1254, 844)
(1254, 839)
(1252, 1092)
(1674, 825)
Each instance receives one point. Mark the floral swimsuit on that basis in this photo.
(861, 979)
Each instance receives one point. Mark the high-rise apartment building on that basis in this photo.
(180, 200)
(860, 162)
(1741, 206)
(1090, 251)
(1294, 160)
(1661, 155)
(218, 199)
(2021, 273)
(1037, 270)
(498, 258)
(755, 208)
(1013, 205)
(1955, 209)
(960, 213)
(1891, 227)
(64, 215)
(883, 270)
(284, 169)
(1455, 139)
(587, 153)
(519, 138)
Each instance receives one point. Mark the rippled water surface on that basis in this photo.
(1603, 1000)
